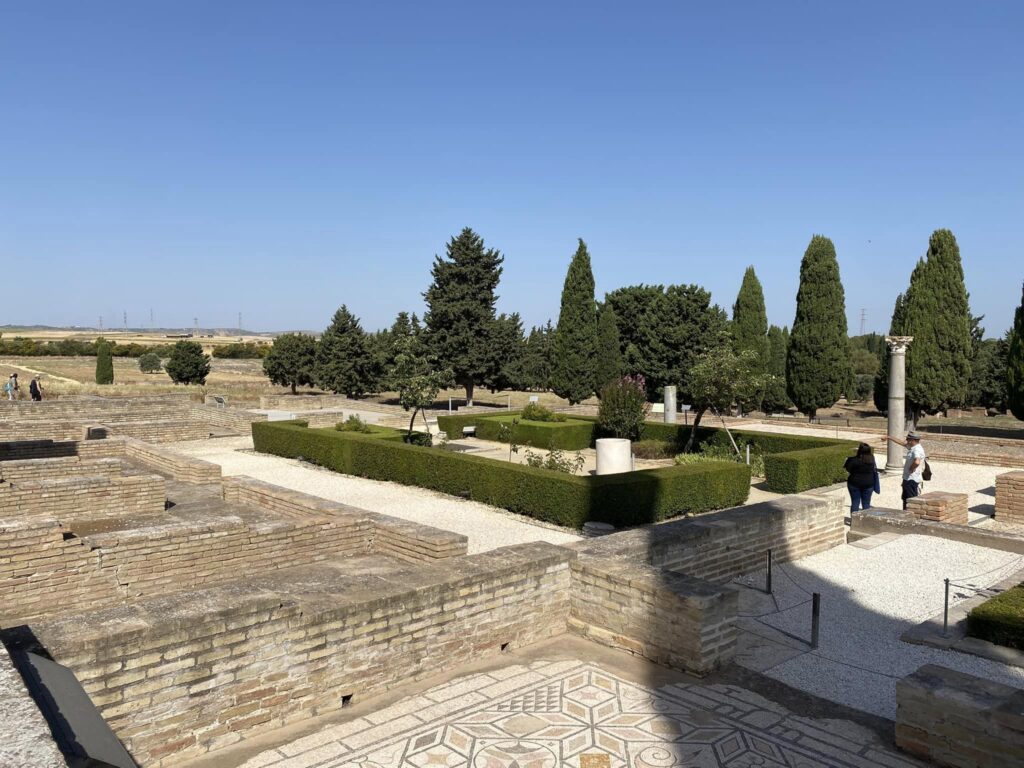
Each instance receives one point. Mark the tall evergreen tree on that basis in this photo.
(104, 362)
(939, 318)
(460, 309)
(608, 364)
(750, 320)
(507, 348)
(536, 365)
(775, 397)
(345, 362)
(818, 362)
(1015, 365)
(573, 373)
(291, 361)
(897, 327)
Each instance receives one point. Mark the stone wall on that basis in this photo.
(162, 431)
(97, 408)
(953, 719)
(73, 497)
(186, 675)
(390, 536)
(168, 462)
(1010, 497)
(70, 466)
(669, 618)
(41, 430)
(227, 419)
(939, 507)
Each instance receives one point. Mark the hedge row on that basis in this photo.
(793, 463)
(569, 435)
(1000, 620)
(632, 498)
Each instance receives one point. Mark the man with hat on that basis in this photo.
(913, 465)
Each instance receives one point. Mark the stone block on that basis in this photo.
(939, 507)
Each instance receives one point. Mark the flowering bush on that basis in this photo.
(624, 407)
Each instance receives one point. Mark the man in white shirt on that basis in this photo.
(913, 465)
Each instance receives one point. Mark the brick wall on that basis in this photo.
(70, 466)
(41, 430)
(939, 507)
(98, 408)
(162, 431)
(230, 419)
(168, 462)
(669, 618)
(1010, 497)
(186, 675)
(954, 719)
(73, 497)
(390, 536)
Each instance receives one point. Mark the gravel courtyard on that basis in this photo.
(486, 527)
(869, 597)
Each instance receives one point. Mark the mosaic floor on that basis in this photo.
(575, 714)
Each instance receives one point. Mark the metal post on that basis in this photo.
(449, 406)
(748, 454)
(509, 403)
(768, 573)
(945, 612)
(815, 618)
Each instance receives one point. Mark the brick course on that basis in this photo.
(73, 497)
(1010, 497)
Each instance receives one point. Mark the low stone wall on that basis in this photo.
(1010, 497)
(98, 408)
(939, 507)
(41, 430)
(163, 431)
(27, 741)
(168, 462)
(879, 520)
(70, 466)
(669, 618)
(227, 419)
(390, 536)
(953, 719)
(74, 497)
(187, 674)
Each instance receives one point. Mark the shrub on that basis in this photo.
(569, 435)
(418, 438)
(654, 449)
(104, 363)
(188, 364)
(797, 471)
(631, 498)
(248, 350)
(556, 460)
(1000, 620)
(353, 424)
(537, 412)
(150, 363)
(623, 407)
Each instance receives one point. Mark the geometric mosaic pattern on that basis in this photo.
(576, 715)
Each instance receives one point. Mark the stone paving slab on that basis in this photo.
(577, 714)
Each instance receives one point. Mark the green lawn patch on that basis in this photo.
(1000, 620)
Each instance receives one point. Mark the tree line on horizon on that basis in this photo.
(664, 333)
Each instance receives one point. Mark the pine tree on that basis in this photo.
(573, 373)
(775, 397)
(291, 361)
(460, 309)
(897, 327)
(1015, 364)
(188, 364)
(507, 349)
(104, 362)
(939, 318)
(750, 320)
(608, 365)
(818, 362)
(345, 363)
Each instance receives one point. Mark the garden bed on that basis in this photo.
(631, 498)
(1000, 620)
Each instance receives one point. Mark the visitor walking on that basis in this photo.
(35, 388)
(862, 478)
(11, 387)
(913, 465)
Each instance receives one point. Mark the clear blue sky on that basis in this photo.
(283, 158)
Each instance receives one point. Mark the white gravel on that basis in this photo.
(869, 598)
(486, 527)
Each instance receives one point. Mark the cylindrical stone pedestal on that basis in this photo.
(614, 455)
(670, 404)
(897, 397)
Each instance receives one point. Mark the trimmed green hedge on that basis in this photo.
(569, 435)
(632, 498)
(793, 463)
(1000, 620)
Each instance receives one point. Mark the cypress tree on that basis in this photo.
(897, 327)
(460, 309)
(608, 365)
(537, 358)
(344, 360)
(104, 363)
(939, 318)
(818, 362)
(750, 320)
(574, 374)
(775, 398)
(1015, 364)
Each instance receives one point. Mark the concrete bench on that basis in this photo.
(469, 431)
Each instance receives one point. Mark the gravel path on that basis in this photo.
(869, 598)
(486, 527)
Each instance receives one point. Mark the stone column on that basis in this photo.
(897, 396)
(670, 404)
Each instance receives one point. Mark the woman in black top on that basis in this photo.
(862, 478)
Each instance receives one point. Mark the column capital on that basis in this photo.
(898, 344)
